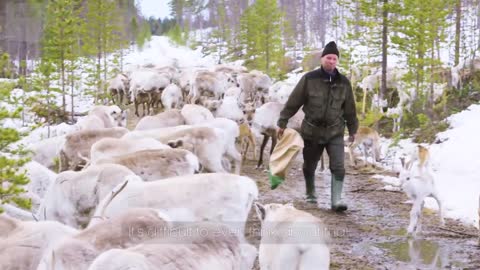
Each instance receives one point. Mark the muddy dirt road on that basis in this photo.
(372, 233)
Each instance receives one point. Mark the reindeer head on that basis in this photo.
(119, 119)
(405, 173)
(249, 112)
(264, 211)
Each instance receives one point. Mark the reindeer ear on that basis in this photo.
(261, 212)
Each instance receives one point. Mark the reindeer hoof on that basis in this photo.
(442, 222)
(411, 233)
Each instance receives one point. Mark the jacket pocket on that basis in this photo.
(307, 131)
(338, 98)
(337, 102)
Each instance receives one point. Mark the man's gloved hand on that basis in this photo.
(280, 132)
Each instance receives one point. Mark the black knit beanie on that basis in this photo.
(330, 48)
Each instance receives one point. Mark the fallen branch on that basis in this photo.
(363, 190)
(459, 232)
(389, 190)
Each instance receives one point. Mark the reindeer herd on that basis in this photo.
(124, 198)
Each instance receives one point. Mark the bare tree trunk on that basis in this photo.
(383, 87)
(104, 81)
(47, 87)
(432, 78)
(304, 23)
(322, 22)
(267, 55)
(121, 60)
(358, 17)
(458, 20)
(64, 99)
(478, 41)
(98, 70)
(72, 93)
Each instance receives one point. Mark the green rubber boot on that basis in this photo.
(336, 194)
(310, 186)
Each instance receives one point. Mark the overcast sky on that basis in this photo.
(155, 8)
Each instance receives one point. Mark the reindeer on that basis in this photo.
(370, 139)
(418, 183)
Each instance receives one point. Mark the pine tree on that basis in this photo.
(61, 38)
(420, 30)
(177, 8)
(144, 34)
(369, 28)
(222, 33)
(42, 104)
(261, 36)
(6, 69)
(12, 158)
(458, 23)
(177, 35)
(102, 34)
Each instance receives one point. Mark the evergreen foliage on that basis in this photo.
(60, 39)
(261, 37)
(102, 35)
(178, 36)
(12, 158)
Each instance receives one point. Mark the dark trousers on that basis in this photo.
(312, 152)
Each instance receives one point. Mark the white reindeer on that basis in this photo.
(418, 183)
(291, 239)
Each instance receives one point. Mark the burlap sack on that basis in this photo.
(282, 156)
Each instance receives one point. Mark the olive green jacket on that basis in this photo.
(328, 104)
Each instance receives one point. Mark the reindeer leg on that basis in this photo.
(251, 140)
(419, 223)
(440, 207)
(274, 142)
(415, 213)
(136, 108)
(244, 148)
(365, 156)
(262, 148)
(113, 98)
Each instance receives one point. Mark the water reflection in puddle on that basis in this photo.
(410, 254)
(416, 252)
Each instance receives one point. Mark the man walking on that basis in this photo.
(328, 102)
